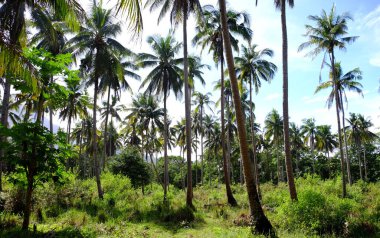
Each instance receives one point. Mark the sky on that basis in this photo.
(303, 71)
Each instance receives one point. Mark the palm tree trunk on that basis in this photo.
(81, 164)
(105, 128)
(196, 160)
(51, 112)
(202, 145)
(189, 195)
(94, 140)
(342, 165)
(288, 159)
(259, 221)
(348, 163)
(365, 164)
(279, 178)
(166, 171)
(255, 167)
(360, 161)
(230, 197)
(4, 121)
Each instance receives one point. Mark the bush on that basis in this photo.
(129, 163)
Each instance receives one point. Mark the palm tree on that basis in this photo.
(274, 131)
(202, 101)
(309, 130)
(330, 32)
(296, 143)
(325, 140)
(252, 67)
(180, 10)
(96, 41)
(209, 34)
(76, 105)
(196, 71)
(347, 81)
(114, 79)
(259, 220)
(163, 78)
(359, 134)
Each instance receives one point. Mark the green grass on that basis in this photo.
(73, 210)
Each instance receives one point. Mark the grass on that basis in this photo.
(73, 210)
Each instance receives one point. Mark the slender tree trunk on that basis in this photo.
(342, 165)
(360, 161)
(279, 178)
(166, 173)
(259, 221)
(105, 128)
(348, 163)
(196, 161)
(365, 164)
(4, 122)
(81, 163)
(255, 167)
(28, 200)
(95, 142)
(288, 159)
(51, 112)
(202, 145)
(189, 195)
(230, 197)
(68, 129)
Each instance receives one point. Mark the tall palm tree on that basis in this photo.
(259, 220)
(115, 79)
(180, 10)
(330, 32)
(209, 34)
(252, 67)
(281, 5)
(162, 79)
(347, 81)
(202, 101)
(274, 131)
(96, 41)
(309, 130)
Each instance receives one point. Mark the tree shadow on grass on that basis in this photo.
(168, 218)
(66, 232)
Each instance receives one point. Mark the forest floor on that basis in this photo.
(73, 210)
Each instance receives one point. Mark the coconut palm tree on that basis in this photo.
(309, 130)
(273, 132)
(296, 143)
(162, 79)
(76, 105)
(325, 140)
(96, 40)
(330, 32)
(252, 67)
(180, 10)
(202, 101)
(347, 81)
(259, 221)
(209, 34)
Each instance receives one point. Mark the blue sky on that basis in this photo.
(303, 71)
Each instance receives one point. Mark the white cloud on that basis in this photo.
(375, 60)
(273, 96)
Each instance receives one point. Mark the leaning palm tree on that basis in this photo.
(330, 32)
(96, 41)
(162, 79)
(180, 10)
(209, 34)
(258, 219)
(347, 81)
(252, 67)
